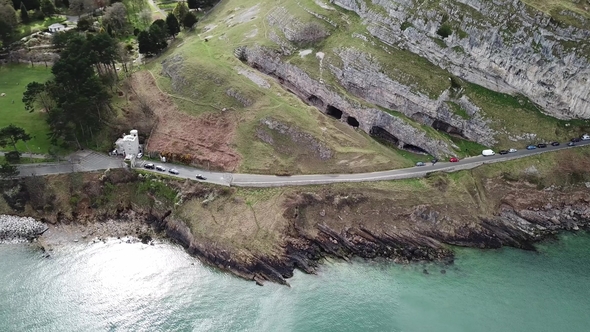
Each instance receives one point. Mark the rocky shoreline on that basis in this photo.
(15, 228)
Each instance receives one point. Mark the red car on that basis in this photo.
(454, 160)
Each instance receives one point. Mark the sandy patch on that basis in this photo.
(303, 53)
(261, 82)
(205, 138)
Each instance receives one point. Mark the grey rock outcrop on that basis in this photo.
(363, 78)
(371, 120)
(14, 228)
(503, 45)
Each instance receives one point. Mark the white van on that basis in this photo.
(487, 153)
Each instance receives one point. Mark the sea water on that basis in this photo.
(116, 286)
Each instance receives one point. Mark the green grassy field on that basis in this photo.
(13, 81)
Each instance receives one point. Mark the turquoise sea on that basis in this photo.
(117, 286)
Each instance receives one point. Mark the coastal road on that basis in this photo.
(85, 161)
(256, 180)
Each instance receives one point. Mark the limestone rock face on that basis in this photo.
(363, 78)
(503, 45)
(372, 121)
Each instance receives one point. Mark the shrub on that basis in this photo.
(445, 30)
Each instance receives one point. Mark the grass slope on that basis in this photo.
(208, 70)
(13, 82)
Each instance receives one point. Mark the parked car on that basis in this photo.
(420, 163)
(487, 153)
(454, 160)
(139, 155)
(541, 145)
(173, 171)
(585, 137)
(575, 139)
(571, 143)
(149, 166)
(554, 143)
(503, 152)
(531, 147)
(512, 150)
(201, 177)
(160, 168)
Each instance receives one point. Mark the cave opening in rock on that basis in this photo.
(447, 128)
(415, 149)
(384, 136)
(352, 121)
(334, 112)
(315, 101)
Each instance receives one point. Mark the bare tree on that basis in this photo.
(79, 7)
(145, 17)
(116, 17)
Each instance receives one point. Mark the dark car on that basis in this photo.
(161, 168)
(201, 177)
(575, 139)
(503, 152)
(554, 143)
(571, 144)
(541, 145)
(149, 166)
(531, 147)
(173, 171)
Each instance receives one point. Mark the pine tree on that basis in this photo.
(172, 24)
(24, 15)
(189, 20)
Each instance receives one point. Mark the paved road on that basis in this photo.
(85, 161)
(254, 180)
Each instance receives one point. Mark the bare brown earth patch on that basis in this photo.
(206, 138)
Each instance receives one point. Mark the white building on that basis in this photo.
(128, 144)
(56, 27)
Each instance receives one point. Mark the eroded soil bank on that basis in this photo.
(264, 234)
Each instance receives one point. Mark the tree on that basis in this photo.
(79, 7)
(11, 134)
(180, 11)
(24, 15)
(48, 8)
(145, 18)
(193, 4)
(84, 23)
(12, 157)
(8, 14)
(7, 170)
(36, 96)
(189, 21)
(172, 24)
(116, 18)
(145, 43)
(32, 4)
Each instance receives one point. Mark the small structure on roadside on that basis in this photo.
(128, 144)
(56, 27)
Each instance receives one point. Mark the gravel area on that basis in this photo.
(13, 228)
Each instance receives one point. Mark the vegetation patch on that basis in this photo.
(13, 83)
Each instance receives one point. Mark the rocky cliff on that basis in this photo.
(503, 45)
